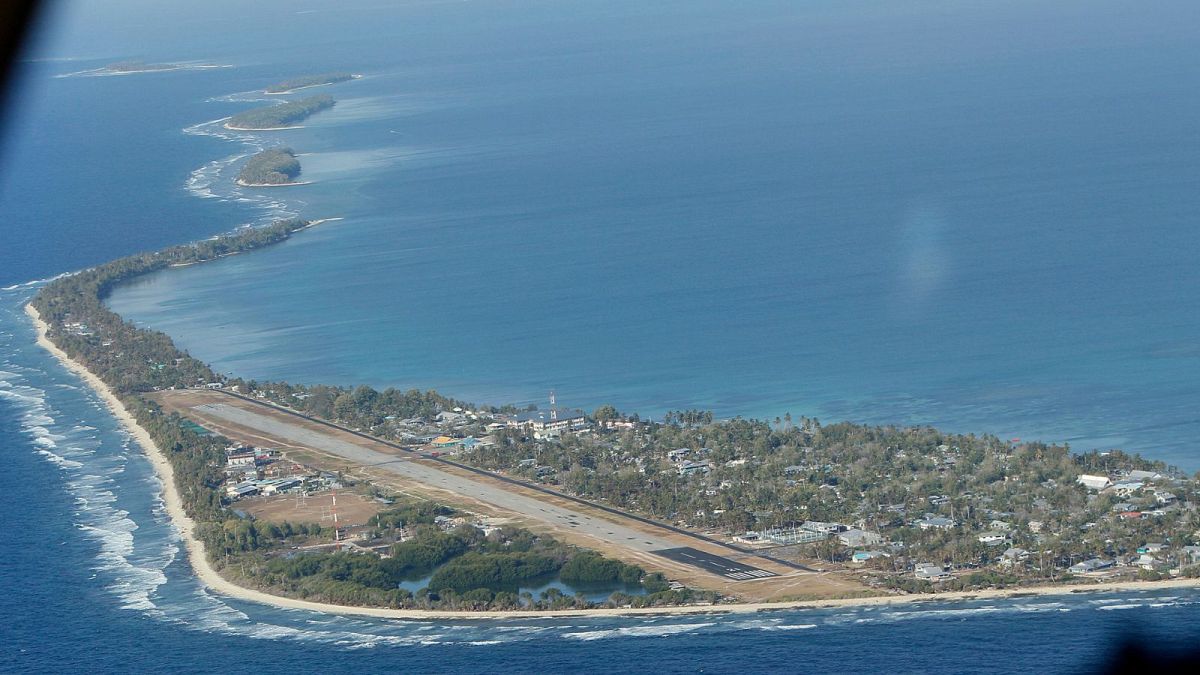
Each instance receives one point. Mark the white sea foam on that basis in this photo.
(136, 553)
(638, 631)
(88, 458)
(215, 179)
(59, 460)
(107, 72)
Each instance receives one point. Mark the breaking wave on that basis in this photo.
(105, 71)
(138, 558)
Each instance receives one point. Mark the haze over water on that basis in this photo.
(981, 218)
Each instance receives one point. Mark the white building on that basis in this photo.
(931, 572)
(1094, 482)
(859, 538)
(932, 522)
(553, 420)
(992, 538)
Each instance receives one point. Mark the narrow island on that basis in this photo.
(140, 67)
(270, 168)
(281, 116)
(297, 83)
(412, 504)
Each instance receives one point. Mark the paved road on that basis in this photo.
(714, 563)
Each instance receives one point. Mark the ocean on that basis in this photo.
(978, 217)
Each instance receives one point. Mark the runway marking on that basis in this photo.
(715, 564)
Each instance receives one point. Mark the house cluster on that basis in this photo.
(248, 463)
(265, 486)
(546, 424)
(251, 471)
(77, 328)
(811, 531)
(688, 462)
(1143, 494)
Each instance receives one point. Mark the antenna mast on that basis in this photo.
(337, 535)
(553, 407)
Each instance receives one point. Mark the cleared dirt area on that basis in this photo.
(318, 445)
(352, 509)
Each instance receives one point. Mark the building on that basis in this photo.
(1192, 553)
(1090, 566)
(689, 468)
(1128, 488)
(1094, 482)
(277, 485)
(750, 537)
(553, 420)
(993, 538)
(932, 522)
(678, 454)
(931, 572)
(859, 538)
(1146, 562)
(861, 557)
(788, 536)
(238, 456)
(824, 528)
(241, 490)
(1014, 555)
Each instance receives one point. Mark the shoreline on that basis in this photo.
(308, 86)
(243, 183)
(230, 127)
(214, 582)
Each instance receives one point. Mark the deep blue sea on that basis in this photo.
(980, 216)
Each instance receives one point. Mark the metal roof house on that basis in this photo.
(1094, 482)
(1092, 565)
(935, 523)
(859, 538)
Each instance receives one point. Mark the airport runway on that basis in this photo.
(603, 529)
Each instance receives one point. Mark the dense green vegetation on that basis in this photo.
(307, 81)
(493, 571)
(754, 475)
(274, 166)
(470, 571)
(281, 115)
(590, 568)
(127, 358)
(419, 513)
(132, 361)
(466, 570)
(760, 475)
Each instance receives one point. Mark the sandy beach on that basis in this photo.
(307, 86)
(258, 185)
(229, 126)
(218, 584)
